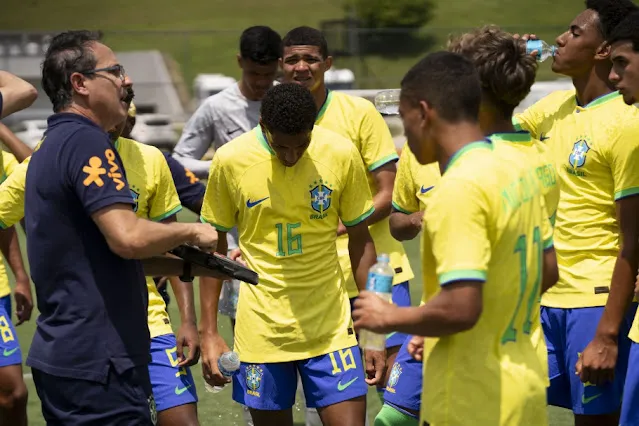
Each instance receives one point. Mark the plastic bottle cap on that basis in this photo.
(383, 258)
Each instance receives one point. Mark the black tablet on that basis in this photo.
(216, 262)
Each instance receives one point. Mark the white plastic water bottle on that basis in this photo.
(544, 50)
(228, 364)
(380, 281)
(387, 102)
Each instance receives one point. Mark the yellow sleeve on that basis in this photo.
(218, 207)
(165, 201)
(377, 146)
(10, 162)
(404, 199)
(456, 222)
(356, 201)
(546, 226)
(623, 157)
(12, 196)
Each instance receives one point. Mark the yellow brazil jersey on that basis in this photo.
(7, 165)
(287, 218)
(156, 198)
(414, 182)
(151, 187)
(487, 221)
(357, 120)
(595, 150)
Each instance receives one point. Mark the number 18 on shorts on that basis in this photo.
(327, 379)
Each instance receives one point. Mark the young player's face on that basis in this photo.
(625, 71)
(416, 131)
(577, 47)
(288, 148)
(257, 78)
(305, 66)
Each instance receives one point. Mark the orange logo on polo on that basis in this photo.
(114, 171)
(94, 170)
(191, 176)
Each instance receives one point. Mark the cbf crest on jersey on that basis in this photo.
(135, 193)
(320, 198)
(577, 157)
(254, 375)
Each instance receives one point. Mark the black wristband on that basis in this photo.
(187, 275)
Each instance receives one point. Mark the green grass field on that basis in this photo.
(219, 409)
(202, 36)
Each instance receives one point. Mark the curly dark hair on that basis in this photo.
(69, 52)
(506, 71)
(306, 36)
(448, 82)
(611, 13)
(289, 109)
(260, 44)
(627, 30)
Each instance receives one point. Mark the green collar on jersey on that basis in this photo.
(261, 137)
(600, 100)
(116, 144)
(322, 110)
(485, 144)
(522, 136)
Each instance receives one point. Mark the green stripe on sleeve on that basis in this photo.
(379, 163)
(361, 218)
(399, 209)
(548, 244)
(215, 225)
(462, 275)
(3, 225)
(626, 193)
(170, 213)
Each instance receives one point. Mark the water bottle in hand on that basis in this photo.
(387, 102)
(544, 50)
(380, 281)
(228, 364)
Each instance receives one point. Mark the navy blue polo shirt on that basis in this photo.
(189, 188)
(92, 303)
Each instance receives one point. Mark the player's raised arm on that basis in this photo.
(18, 148)
(15, 94)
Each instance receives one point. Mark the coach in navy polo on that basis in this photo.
(90, 351)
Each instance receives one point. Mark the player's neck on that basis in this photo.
(491, 124)
(592, 85)
(320, 94)
(453, 137)
(246, 92)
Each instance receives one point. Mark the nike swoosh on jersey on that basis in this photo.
(9, 353)
(543, 137)
(230, 132)
(425, 190)
(585, 400)
(341, 387)
(250, 203)
(180, 391)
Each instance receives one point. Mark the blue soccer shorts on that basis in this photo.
(9, 345)
(567, 333)
(327, 380)
(172, 385)
(404, 387)
(400, 297)
(630, 404)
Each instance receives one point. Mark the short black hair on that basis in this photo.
(448, 82)
(627, 30)
(69, 52)
(260, 44)
(288, 108)
(306, 36)
(611, 13)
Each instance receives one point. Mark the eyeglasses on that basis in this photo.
(116, 70)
